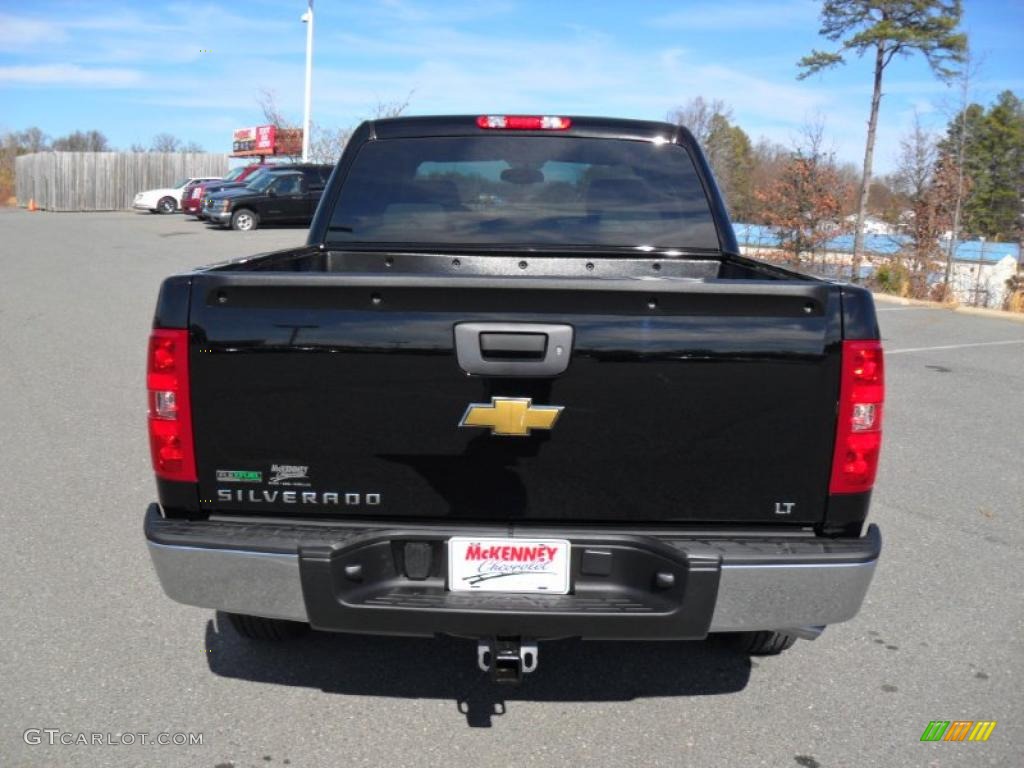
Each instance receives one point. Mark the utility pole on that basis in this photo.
(307, 18)
(977, 280)
(965, 92)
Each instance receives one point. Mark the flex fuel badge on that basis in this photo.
(238, 476)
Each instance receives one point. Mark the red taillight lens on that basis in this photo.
(524, 122)
(859, 425)
(170, 411)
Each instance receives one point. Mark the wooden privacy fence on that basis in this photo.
(104, 181)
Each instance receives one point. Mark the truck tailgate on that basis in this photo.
(683, 400)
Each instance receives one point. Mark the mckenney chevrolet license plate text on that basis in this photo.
(508, 565)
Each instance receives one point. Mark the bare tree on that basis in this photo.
(929, 180)
(769, 159)
(967, 73)
(394, 108)
(698, 115)
(32, 140)
(193, 146)
(12, 145)
(325, 144)
(165, 142)
(923, 181)
(82, 141)
(804, 200)
(266, 100)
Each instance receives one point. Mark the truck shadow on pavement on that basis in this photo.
(445, 668)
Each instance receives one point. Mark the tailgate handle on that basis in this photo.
(513, 349)
(513, 346)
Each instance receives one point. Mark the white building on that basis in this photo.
(981, 283)
(872, 226)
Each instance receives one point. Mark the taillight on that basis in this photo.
(170, 411)
(859, 425)
(524, 122)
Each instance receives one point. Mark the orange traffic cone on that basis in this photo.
(32, 204)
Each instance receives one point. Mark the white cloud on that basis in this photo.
(452, 64)
(174, 37)
(407, 11)
(69, 74)
(725, 15)
(17, 33)
(580, 71)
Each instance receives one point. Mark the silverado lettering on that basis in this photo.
(466, 281)
(296, 497)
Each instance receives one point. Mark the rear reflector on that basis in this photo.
(524, 122)
(859, 424)
(170, 410)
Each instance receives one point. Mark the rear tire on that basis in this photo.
(167, 205)
(244, 220)
(765, 643)
(260, 628)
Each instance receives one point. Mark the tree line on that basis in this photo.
(765, 182)
(965, 182)
(35, 140)
(15, 143)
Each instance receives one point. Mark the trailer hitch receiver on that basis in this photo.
(507, 658)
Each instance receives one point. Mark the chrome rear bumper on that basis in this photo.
(766, 592)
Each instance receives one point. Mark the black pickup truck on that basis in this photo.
(284, 194)
(520, 384)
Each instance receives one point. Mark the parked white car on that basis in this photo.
(166, 200)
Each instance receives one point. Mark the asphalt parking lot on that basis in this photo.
(89, 643)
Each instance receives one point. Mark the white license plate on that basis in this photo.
(508, 565)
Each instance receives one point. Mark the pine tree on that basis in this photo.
(993, 154)
(886, 28)
(994, 209)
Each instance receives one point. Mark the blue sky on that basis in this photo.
(134, 69)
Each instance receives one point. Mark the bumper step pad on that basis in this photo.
(363, 588)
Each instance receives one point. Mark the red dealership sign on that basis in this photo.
(266, 140)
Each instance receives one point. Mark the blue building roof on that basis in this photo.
(757, 235)
(975, 250)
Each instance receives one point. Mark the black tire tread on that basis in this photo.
(261, 628)
(764, 643)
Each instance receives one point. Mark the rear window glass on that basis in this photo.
(523, 190)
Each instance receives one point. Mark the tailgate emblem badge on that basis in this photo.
(511, 416)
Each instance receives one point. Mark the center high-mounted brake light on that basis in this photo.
(170, 408)
(524, 122)
(859, 425)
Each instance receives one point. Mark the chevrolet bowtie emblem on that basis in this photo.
(511, 416)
